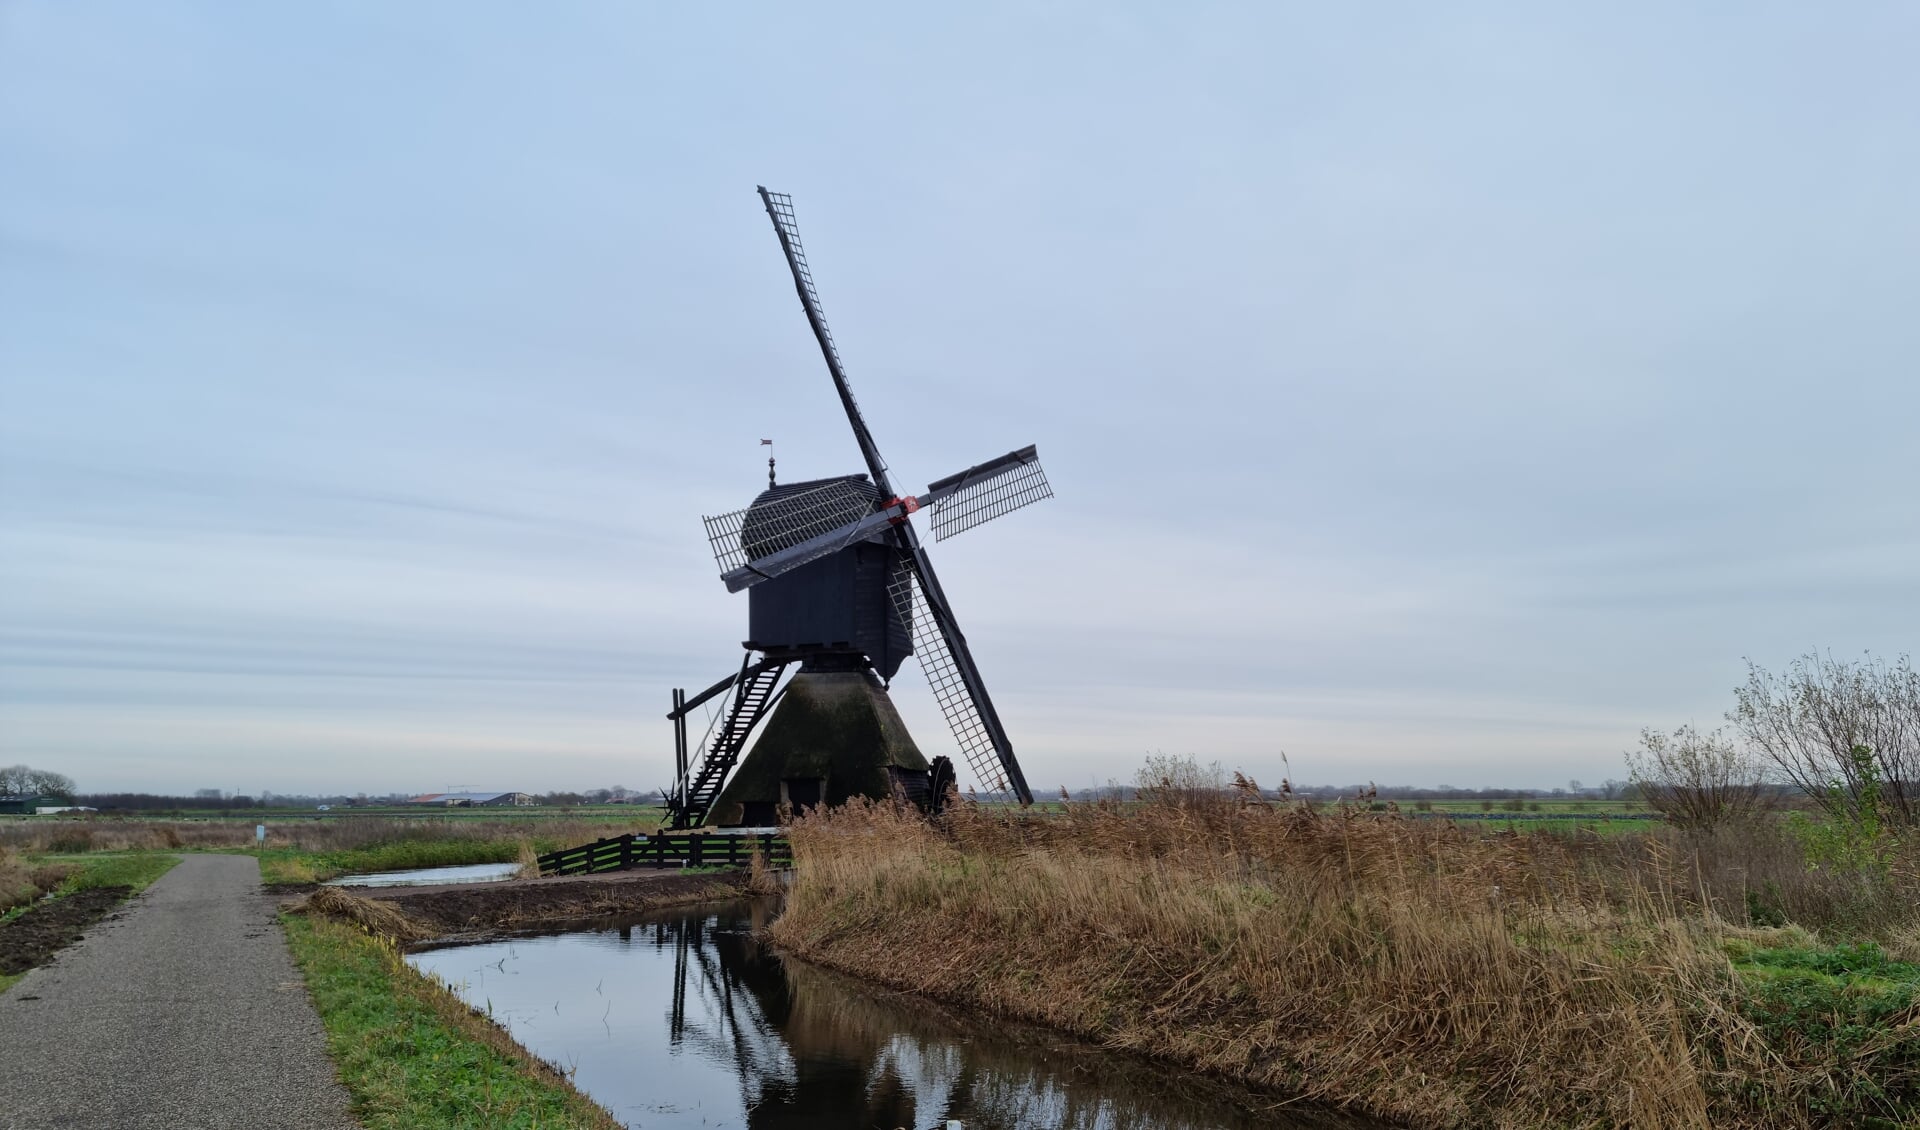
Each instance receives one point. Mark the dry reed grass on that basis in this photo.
(22, 881)
(376, 917)
(1409, 968)
(16, 881)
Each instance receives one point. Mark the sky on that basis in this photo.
(1431, 395)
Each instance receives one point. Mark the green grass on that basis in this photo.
(1520, 823)
(1851, 1000)
(1581, 807)
(136, 869)
(291, 865)
(413, 1056)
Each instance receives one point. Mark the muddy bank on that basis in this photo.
(34, 937)
(471, 911)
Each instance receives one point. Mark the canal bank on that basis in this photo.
(686, 1018)
(676, 1012)
(1414, 970)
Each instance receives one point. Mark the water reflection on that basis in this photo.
(430, 876)
(685, 1019)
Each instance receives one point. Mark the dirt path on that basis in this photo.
(184, 1010)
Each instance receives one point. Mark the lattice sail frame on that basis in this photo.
(1022, 484)
(780, 207)
(943, 676)
(782, 523)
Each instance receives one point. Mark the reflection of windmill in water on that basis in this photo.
(729, 1023)
(841, 587)
(813, 1049)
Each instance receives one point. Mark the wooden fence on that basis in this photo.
(682, 850)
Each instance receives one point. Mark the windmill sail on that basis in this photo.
(780, 209)
(779, 524)
(980, 495)
(779, 534)
(948, 665)
(986, 492)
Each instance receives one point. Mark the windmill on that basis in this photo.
(840, 588)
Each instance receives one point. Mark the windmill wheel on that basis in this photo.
(940, 782)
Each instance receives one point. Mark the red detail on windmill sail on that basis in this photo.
(907, 505)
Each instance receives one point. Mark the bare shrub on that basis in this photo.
(1698, 781)
(1181, 782)
(1808, 719)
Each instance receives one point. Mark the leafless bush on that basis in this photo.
(1182, 782)
(1808, 719)
(1698, 781)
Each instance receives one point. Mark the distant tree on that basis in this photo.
(1575, 786)
(1809, 719)
(1698, 781)
(1179, 781)
(25, 780)
(1612, 789)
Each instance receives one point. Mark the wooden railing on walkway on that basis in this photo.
(667, 850)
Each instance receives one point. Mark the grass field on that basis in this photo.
(412, 1056)
(311, 849)
(641, 812)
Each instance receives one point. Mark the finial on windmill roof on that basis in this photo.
(768, 443)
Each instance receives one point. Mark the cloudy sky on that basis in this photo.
(1438, 395)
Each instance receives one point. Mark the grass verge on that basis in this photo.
(292, 865)
(412, 1055)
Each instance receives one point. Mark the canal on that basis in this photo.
(683, 1019)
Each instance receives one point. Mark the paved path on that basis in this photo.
(184, 1012)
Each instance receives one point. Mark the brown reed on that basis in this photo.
(1411, 968)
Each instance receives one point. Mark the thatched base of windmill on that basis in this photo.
(834, 736)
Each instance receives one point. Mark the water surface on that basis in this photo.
(682, 1019)
(428, 876)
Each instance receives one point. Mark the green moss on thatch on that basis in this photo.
(837, 726)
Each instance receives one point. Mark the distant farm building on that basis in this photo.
(38, 805)
(474, 800)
